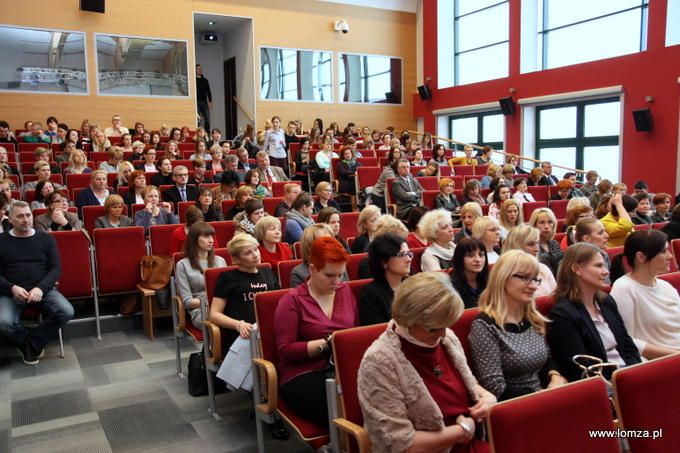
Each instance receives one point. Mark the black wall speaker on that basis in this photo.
(643, 120)
(392, 97)
(507, 106)
(94, 6)
(425, 92)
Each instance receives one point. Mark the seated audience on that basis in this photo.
(244, 222)
(468, 214)
(551, 253)
(57, 217)
(507, 339)
(154, 212)
(229, 183)
(389, 263)
(252, 180)
(42, 189)
(44, 172)
(487, 230)
(406, 190)
(672, 228)
(585, 320)
(179, 236)
(200, 176)
(206, 203)
(498, 197)
(164, 175)
(242, 196)
(324, 192)
(115, 158)
(521, 195)
(366, 226)
(436, 226)
(649, 307)
(189, 272)
(662, 204)
(272, 249)
(472, 192)
(470, 273)
(149, 164)
(526, 239)
(331, 216)
(406, 405)
(643, 212)
(299, 217)
(346, 170)
(590, 187)
(114, 217)
(494, 171)
(134, 196)
(446, 199)
(468, 159)
(603, 188)
(306, 317)
(124, 170)
(96, 194)
(416, 238)
(618, 222)
(292, 191)
(509, 217)
(311, 233)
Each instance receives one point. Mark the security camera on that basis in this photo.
(342, 25)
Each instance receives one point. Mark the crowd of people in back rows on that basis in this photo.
(415, 387)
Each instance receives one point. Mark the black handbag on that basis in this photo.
(197, 380)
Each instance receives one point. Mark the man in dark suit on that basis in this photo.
(406, 190)
(181, 191)
(548, 179)
(231, 163)
(243, 163)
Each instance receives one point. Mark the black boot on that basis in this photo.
(278, 430)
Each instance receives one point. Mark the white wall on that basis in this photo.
(239, 45)
(210, 57)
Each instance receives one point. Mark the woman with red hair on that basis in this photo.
(306, 318)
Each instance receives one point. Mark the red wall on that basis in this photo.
(646, 155)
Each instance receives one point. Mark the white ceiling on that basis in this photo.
(408, 6)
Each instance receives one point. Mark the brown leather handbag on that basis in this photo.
(156, 271)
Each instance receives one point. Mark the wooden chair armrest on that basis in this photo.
(358, 432)
(392, 209)
(146, 292)
(181, 314)
(336, 185)
(215, 342)
(271, 382)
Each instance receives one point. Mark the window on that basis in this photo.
(582, 135)
(578, 31)
(141, 66)
(295, 75)
(672, 30)
(42, 61)
(370, 79)
(480, 50)
(479, 129)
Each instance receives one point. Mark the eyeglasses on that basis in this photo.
(61, 200)
(495, 229)
(404, 255)
(527, 279)
(182, 175)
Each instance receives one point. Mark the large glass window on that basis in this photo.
(481, 129)
(296, 75)
(370, 78)
(42, 61)
(582, 135)
(480, 41)
(577, 31)
(139, 66)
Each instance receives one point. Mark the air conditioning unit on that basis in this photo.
(210, 38)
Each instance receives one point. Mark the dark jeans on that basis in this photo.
(204, 111)
(57, 311)
(306, 396)
(379, 202)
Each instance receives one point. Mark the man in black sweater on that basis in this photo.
(29, 268)
(203, 97)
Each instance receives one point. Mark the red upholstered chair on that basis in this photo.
(29, 148)
(673, 278)
(367, 176)
(528, 207)
(348, 224)
(270, 204)
(160, 237)
(367, 161)
(545, 304)
(559, 208)
(643, 226)
(224, 253)
(265, 376)
(285, 268)
(429, 182)
(613, 251)
(224, 231)
(349, 347)
(428, 198)
(297, 250)
(584, 405)
(415, 262)
(540, 193)
(464, 170)
(462, 329)
(481, 170)
(658, 226)
(182, 208)
(353, 265)
(279, 187)
(227, 205)
(647, 399)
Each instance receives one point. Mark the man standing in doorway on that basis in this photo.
(203, 97)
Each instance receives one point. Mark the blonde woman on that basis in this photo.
(525, 238)
(437, 229)
(125, 169)
(488, 231)
(324, 192)
(468, 214)
(366, 225)
(551, 252)
(100, 142)
(468, 159)
(494, 171)
(77, 163)
(300, 272)
(171, 150)
(508, 339)
(509, 217)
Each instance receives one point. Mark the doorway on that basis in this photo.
(230, 107)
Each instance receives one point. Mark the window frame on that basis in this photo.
(480, 129)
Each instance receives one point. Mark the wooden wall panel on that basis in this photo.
(303, 24)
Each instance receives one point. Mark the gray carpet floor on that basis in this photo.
(120, 394)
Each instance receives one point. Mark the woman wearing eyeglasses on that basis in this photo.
(389, 261)
(57, 217)
(488, 231)
(508, 340)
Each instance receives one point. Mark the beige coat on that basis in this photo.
(393, 397)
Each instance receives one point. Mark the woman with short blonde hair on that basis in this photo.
(366, 226)
(437, 229)
(488, 231)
